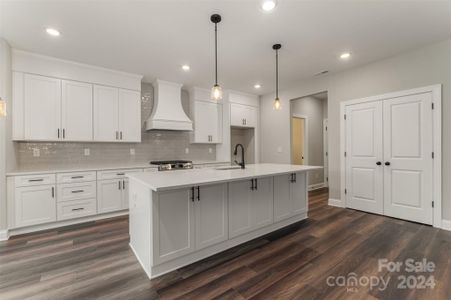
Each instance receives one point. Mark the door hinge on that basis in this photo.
(345, 153)
(433, 155)
(346, 191)
(432, 203)
(326, 128)
(345, 116)
(327, 153)
(327, 179)
(433, 105)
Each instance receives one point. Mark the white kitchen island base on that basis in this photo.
(180, 217)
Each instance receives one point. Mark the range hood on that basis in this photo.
(168, 113)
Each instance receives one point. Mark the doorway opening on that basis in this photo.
(309, 137)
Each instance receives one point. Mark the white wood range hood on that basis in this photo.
(168, 113)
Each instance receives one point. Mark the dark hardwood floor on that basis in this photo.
(93, 261)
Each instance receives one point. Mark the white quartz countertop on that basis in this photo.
(167, 180)
(29, 170)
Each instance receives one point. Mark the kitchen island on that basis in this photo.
(180, 217)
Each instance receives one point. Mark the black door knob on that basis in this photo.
(378, 163)
(387, 163)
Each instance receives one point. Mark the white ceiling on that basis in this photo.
(154, 38)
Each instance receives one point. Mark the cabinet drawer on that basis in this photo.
(115, 174)
(76, 191)
(33, 180)
(76, 209)
(75, 177)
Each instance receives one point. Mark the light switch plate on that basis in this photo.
(210, 150)
(87, 152)
(186, 150)
(132, 151)
(36, 152)
(279, 149)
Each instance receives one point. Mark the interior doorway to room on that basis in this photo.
(298, 136)
(309, 136)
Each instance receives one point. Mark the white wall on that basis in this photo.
(6, 144)
(312, 108)
(426, 66)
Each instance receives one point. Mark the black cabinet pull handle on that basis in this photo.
(119, 185)
(77, 191)
(378, 163)
(53, 192)
(120, 174)
(252, 186)
(292, 177)
(198, 193)
(192, 194)
(35, 180)
(77, 177)
(387, 163)
(58, 133)
(64, 133)
(76, 209)
(123, 184)
(256, 183)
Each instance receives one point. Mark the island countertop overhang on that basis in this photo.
(168, 180)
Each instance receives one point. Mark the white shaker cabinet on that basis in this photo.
(243, 115)
(211, 215)
(42, 108)
(250, 205)
(117, 115)
(173, 224)
(290, 195)
(207, 118)
(76, 111)
(109, 195)
(34, 205)
(106, 112)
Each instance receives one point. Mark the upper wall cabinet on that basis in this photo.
(207, 117)
(76, 111)
(117, 115)
(42, 108)
(243, 115)
(62, 103)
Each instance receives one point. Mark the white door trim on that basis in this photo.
(305, 137)
(436, 91)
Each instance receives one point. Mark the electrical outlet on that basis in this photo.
(87, 152)
(279, 149)
(36, 152)
(186, 150)
(210, 150)
(132, 151)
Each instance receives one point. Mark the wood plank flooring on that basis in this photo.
(93, 261)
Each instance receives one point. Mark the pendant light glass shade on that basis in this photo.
(276, 104)
(2, 108)
(216, 91)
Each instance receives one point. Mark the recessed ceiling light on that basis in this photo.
(52, 31)
(268, 5)
(257, 86)
(186, 68)
(345, 55)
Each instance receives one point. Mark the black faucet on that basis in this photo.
(242, 155)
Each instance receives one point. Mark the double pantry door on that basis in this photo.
(389, 157)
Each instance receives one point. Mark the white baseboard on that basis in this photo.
(335, 202)
(4, 235)
(316, 186)
(446, 225)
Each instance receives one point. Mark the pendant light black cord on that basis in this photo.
(277, 73)
(216, 53)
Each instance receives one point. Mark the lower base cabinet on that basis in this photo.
(109, 195)
(290, 195)
(76, 209)
(35, 205)
(250, 205)
(185, 220)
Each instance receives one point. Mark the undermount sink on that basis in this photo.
(228, 168)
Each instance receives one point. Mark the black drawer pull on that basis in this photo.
(35, 180)
(77, 191)
(120, 174)
(77, 177)
(78, 209)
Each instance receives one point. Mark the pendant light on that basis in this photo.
(276, 103)
(2, 108)
(216, 91)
